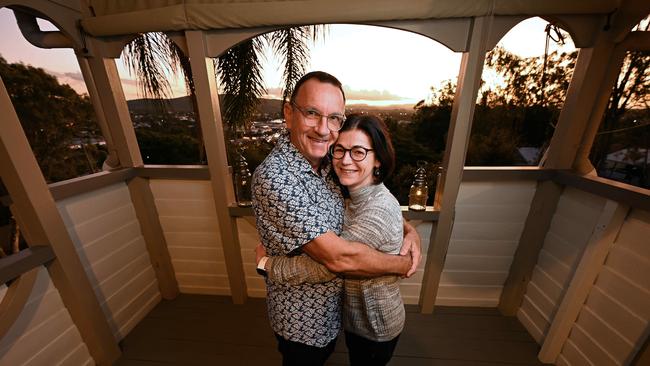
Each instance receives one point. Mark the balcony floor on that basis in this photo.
(210, 330)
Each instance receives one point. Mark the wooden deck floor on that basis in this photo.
(210, 330)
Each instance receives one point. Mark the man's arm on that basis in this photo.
(352, 258)
(294, 270)
(413, 246)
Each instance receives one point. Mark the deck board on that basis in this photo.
(202, 329)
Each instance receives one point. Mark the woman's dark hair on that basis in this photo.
(321, 76)
(382, 145)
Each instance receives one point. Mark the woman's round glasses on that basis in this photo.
(357, 153)
(313, 116)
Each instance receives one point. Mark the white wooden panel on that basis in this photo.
(102, 247)
(588, 346)
(66, 340)
(492, 213)
(482, 278)
(535, 316)
(129, 316)
(130, 290)
(542, 302)
(546, 284)
(86, 206)
(486, 231)
(180, 207)
(197, 239)
(572, 356)
(199, 267)
(197, 253)
(79, 356)
(488, 222)
(121, 256)
(616, 314)
(181, 189)
(621, 288)
(204, 280)
(483, 247)
(604, 334)
(580, 207)
(570, 231)
(115, 282)
(558, 271)
(619, 316)
(189, 224)
(469, 292)
(107, 235)
(527, 321)
(503, 193)
(561, 249)
(635, 233)
(43, 333)
(477, 263)
(631, 266)
(93, 229)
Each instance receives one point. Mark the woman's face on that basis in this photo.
(355, 174)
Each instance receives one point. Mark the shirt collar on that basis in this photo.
(297, 162)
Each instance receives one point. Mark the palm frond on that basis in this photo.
(147, 58)
(240, 74)
(291, 44)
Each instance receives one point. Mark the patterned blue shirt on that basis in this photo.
(293, 205)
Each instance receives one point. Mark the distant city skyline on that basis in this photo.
(377, 65)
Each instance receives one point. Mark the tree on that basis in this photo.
(59, 123)
(152, 56)
(631, 91)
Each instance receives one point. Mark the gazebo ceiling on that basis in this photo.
(119, 17)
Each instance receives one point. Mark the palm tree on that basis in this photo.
(151, 56)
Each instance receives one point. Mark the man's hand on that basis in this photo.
(259, 252)
(412, 246)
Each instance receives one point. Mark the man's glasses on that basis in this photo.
(313, 117)
(357, 153)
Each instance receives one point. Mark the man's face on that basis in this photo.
(314, 142)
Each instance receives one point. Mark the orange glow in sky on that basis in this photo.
(379, 66)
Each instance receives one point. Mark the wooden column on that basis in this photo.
(602, 238)
(210, 115)
(635, 41)
(538, 221)
(40, 217)
(106, 82)
(580, 100)
(454, 160)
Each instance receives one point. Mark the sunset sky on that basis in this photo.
(377, 65)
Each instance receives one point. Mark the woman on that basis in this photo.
(373, 312)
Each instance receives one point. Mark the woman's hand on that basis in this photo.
(259, 252)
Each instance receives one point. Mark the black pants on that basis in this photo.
(299, 354)
(364, 352)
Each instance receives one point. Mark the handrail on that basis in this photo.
(429, 215)
(17, 264)
(624, 193)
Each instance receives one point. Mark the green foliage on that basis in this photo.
(529, 81)
(166, 139)
(240, 72)
(59, 124)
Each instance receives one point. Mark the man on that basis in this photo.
(299, 210)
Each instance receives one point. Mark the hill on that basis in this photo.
(184, 105)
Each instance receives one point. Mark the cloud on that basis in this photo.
(350, 94)
(363, 94)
